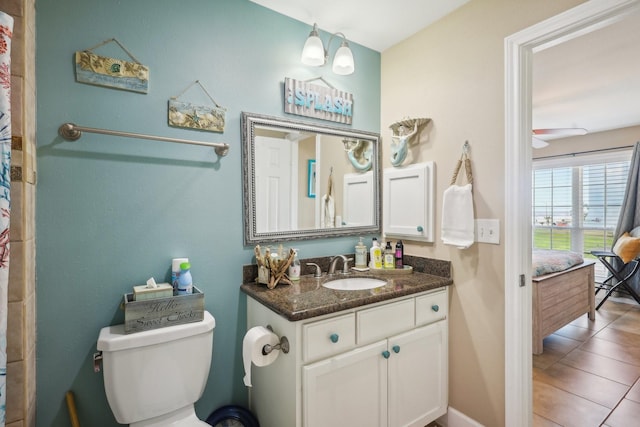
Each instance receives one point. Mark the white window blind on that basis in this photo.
(577, 200)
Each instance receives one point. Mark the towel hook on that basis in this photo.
(466, 147)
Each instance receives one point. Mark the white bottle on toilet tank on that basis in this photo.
(175, 272)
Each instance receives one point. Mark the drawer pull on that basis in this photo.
(435, 307)
(396, 348)
(420, 229)
(334, 338)
(386, 354)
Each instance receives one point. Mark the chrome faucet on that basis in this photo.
(318, 272)
(345, 264)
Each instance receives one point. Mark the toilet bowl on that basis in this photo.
(153, 378)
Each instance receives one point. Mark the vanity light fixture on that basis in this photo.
(316, 55)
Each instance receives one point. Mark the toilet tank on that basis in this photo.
(152, 373)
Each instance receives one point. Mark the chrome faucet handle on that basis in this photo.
(333, 261)
(345, 265)
(318, 272)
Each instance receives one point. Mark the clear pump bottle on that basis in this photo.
(294, 268)
(361, 254)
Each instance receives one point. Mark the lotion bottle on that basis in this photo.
(399, 255)
(389, 257)
(361, 255)
(376, 255)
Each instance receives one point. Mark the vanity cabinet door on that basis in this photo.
(408, 201)
(418, 372)
(347, 390)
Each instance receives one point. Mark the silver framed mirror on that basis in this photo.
(305, 180)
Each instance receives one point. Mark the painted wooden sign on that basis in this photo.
(304, 98)
(202, 117)
(111, 72)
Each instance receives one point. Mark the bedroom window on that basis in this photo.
(577, 200)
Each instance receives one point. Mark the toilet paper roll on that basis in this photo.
(254, 340)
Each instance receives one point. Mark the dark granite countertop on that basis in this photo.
(308, 298)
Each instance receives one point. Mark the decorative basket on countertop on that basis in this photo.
(161, 312)
(273, 265)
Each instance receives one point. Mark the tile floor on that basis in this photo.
(589, 372)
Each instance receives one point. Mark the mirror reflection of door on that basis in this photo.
(358, 196)
(277, 203)
(275, 180)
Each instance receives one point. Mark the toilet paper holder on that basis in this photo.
(283, 345)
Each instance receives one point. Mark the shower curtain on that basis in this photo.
(6, 29)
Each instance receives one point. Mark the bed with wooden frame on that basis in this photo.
(560, 297)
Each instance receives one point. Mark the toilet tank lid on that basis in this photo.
(113, 338)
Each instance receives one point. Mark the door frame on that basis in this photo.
(519, 50)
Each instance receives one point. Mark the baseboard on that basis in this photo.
(454, 418)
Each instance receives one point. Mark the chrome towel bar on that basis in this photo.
(72, 132)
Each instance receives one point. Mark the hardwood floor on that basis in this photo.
(589, 372)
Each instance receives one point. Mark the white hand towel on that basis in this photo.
(328, 212)
(457, 216)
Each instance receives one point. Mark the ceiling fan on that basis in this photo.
(538, 138)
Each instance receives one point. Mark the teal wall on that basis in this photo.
(112, 212)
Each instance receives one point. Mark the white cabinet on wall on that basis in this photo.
(408, 201)
(381, 366)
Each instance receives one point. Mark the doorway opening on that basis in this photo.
(519, 49)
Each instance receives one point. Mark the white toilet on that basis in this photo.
(153, 378)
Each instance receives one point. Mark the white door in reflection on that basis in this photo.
(273, 181)
(358, 199)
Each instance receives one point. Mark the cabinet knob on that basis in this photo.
(396, 348)
(334, 338)
(435, 307)
(386, 354)
(420, 229)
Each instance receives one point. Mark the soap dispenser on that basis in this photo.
(389, 257)
(399, 254)
(361, 255)
(376, 254)
(294, 268)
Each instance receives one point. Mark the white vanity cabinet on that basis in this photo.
(378, 365)
(408, 201)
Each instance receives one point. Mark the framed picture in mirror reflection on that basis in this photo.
(311, 178)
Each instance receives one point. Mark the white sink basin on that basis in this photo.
(354, 284)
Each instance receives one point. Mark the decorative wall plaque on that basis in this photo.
(304, 98)
(111, 72)
(203, 117)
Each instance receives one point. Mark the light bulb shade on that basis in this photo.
(343, 61)
(313, 50)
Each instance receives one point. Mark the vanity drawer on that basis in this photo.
(431, 308)
(386, 320)
(328, 337)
